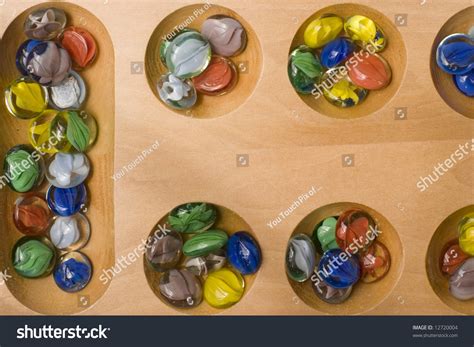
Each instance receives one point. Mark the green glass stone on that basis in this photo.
(33, 257)
(304, 69)
(326, 234)
(205, 243)
(193, 217)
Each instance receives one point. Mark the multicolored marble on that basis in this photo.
(455, 54)
(22, 53)
(326, 234)
(31, 214)
(193, 217)
(224, 288)
(25, 98)
(204, 243)
(365, 32)
(67, 170)
(69, 94)
(330, 294)
(181, 288)
(73, 272)
(340, 91)
(163, 251)
(461, 283)
(466, 234)
(304, 69)
(452, 257)
(375, 262)
(48, 63)
(177, 93)
(336, 52)
(33, 257)
(70, 233)
(244, 253)
(372, 72)
(226, 35)
(80, 45)
(322, 31)
(24, 168)
(339, 270)
(45, 24)
(356, 230)
(202, 266)
(219, 78)
(300, 258)
(465, 83)
(65, 202)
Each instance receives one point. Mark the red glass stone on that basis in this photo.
(370, 72)
(80, 45)
(452, 257)
(31, 214)
(355, 230)
(375, 262)
(219, 77)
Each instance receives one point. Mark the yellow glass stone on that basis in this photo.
(466, 234)
(46, 138)
(364, 32)
(25, 98)
(322, 30)
(224, 288)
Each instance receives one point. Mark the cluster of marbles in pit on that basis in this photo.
(457, 260)
(342, 251)
(51, 94)
(198, 261)
(200, 62)
(340, 60)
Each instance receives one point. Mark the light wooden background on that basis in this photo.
(291, 148)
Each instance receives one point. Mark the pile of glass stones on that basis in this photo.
(340, 60)
(199, 62)
(196, 261)
(342, 251)
(50, 93)
(457, 260)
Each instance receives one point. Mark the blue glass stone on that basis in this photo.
(66, 201)
(455, 54)
(243, 253)
(22, 53)
(73, 272)
(465, 83)
(336, 51)
(337, 270)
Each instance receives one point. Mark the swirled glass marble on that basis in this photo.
(455, 54)
(81, 46)
(65, 202)
(165, 43)
(193, 217)
(48, 63)
(177, 93)
(365, 32)
(70, 233)
(243, 253)
(340, 91)
(330, 294)
(336, 52)
(181, 288)
(23, 168)
(25, 98)
(355, 231)
(465, 83)
(326, 234)
(188, 55)
(45, 24)
(372, 72)
(43, 137)
(466, 234)
(322, 31)
(304, 69)
(33, 257)
(339, 270)
(69, 94)
(73, 272)
(31, 214)
(224, 288)
(300, 258)
(67, 170)
(22, 53)
(226, 35)
(202, 266)
(461, 283)
(452, 257)
(375, 262)
(219, 78)
(163, 251)
(204, 243)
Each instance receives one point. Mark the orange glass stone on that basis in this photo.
(80, 45)
(355, 231)
(370, 71)
(31, 214)
(219, 77)
(452, 257)
(375, 262)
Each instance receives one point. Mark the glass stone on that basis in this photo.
(45, 24)
(70, 233)
(202, 266)
(33, 257)
(304, 69)
(365, 33)
(31, 214)
(79, 128)
(466, 234)
(43, 137)
(355, 231)
(81, 46)
(339, 270)
(300, 258)
(340, 91)
(26, 99)
(69, 94)
(176, 93)
(330, 294)
(65, 202)
(67, 170)
(336, 52)
(165, 43)
(452, 257)
(375, 262)
(461, 283)
(22, 53)
(226, 35)
(372, 72)
(181, 288)
(188, 55)
(224, 288)
(219, 78)
(243, 253)
(204, 243)
(455, 54)
(73, 272)
(325, 234)
(23, 168)
(48, 63)
(193, 217)
(465, 83)
(163, 251)
(322, 30)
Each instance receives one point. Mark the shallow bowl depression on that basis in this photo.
(364, 297)
(229, 222)
(461, 22)
(394, 53)
(42, 295)
(447, 231)
(249, 62)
